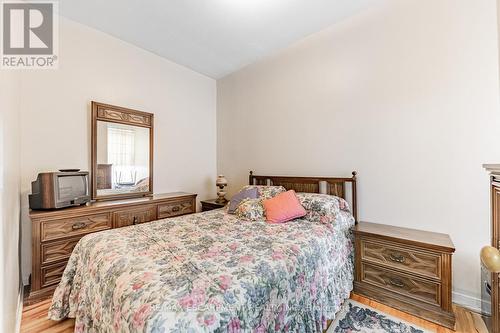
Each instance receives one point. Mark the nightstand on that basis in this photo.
(406, 269)
(211, 204)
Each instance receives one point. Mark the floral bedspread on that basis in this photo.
(208, 272)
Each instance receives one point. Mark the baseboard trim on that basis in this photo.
(19, 315)
(468, 302)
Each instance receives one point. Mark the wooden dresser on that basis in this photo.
(55, 233)
(104, 176)
(406, 269)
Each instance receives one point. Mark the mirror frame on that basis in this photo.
(120, 115)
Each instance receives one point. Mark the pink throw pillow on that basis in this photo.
(283, 208)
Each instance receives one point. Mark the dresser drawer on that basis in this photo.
(414, 261)
(176, 208)
(52, 274)
(58, 250)
(416, 288)
(128, 217)
(57, 229)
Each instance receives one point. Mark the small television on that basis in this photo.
(53, 190)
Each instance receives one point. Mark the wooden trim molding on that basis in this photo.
(118, 114)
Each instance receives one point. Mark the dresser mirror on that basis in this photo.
(122, 152)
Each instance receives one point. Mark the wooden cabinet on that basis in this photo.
(495, 242)
(55, 233)
(406, 269)
(494, 170)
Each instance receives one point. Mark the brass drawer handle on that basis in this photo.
(78, 225)
(396, 283)
(397, 258)
(176, 209)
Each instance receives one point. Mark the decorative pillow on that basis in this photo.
(267, 192)
(245, 193)
(322, 208)
(283, 208)
(250, 209)
(142, 185)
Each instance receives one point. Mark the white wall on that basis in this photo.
(9, 200)
(406, 93)
(55, 114)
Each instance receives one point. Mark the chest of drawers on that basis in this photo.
(54, 234)
(406, 269)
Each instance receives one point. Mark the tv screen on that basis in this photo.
(71, 187)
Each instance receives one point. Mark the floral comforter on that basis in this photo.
(208, 272)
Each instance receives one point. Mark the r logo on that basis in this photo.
(27, 28)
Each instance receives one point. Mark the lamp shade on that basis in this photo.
(221, 181)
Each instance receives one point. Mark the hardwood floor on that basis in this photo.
(466, 320)
(35, 319)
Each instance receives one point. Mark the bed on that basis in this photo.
(212, 272)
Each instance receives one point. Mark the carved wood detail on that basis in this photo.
(402, 283)
(52, 274)
(59, 250)
(122, 116)
(134, 216)
(424, 263)
(56, 229)
(175, 208)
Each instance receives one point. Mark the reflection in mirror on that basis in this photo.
(122, 159)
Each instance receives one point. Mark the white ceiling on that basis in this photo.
(213, 37)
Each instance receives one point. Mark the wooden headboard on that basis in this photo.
(326, 185)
